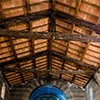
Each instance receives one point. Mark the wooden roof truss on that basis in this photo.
(45, 41)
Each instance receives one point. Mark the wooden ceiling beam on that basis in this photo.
(51, 28)
(4, 76)
(52, 17)
(78, 3)
(78, 22)
(33, 53)
(2, 12)
(12, 48)
(46, 13)
(54, 53)
(64, 59)
(75, 61)
(23, 59)
(25, 18)
(31, 41)
(49, 35)
(46, 70)
(92, 76)
(15, 56)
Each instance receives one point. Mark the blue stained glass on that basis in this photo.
(47, 97)
(47, 92)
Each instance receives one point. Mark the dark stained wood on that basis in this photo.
(49, 55)
(2, 12)
(49, 35)
(75, 61)
(54, 53)
(52, 17)
(64, 59)
(5, 78)
(26, 58)
(25, 18)
(45, 70)
(33, 53)
(31, 40)
(15, 55)
(78, 22)
(51, 28)
(46, 13)
(92, 76)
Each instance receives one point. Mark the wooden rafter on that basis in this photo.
(12, 48)
(2, 12)
(82, 58)
(25, 18)
(32, 49)
(5, 78)
(26, 58)
(27, 6)
(3, 17)
(49, 35)
(33, 53)
(52, 17)
(15, 55)
(76, 62)
(46, 13)
(64, 59)
(52, 28)
(78, 3)
(46, 70)
(92, 76)
(54, 53)
(31, 40)
(73, 25)
(78, 22)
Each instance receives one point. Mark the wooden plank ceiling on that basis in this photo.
(42, 38)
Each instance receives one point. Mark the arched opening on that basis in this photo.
(47, 92)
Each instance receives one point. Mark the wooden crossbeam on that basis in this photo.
(23, 59)
(46, 13)
(54, 53)
(25, 18)
(46, 70)
(78, 22)
(49, 35)
(75, 61)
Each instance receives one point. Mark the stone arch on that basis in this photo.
(24, 90)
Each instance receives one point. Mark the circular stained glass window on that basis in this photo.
(47, 97)
(48, 92)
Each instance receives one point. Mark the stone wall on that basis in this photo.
(23, 91)
(93, 89)
(4, 90)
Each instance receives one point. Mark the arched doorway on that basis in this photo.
(47, 92)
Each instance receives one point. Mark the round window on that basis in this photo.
(47, 92)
